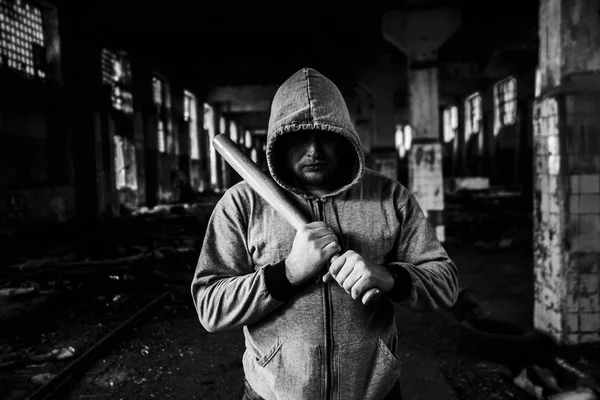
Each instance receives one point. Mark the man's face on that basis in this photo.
(314, 158)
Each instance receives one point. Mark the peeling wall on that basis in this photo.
(548, 227)
(567, 217)
(567, 182)
(426, 182)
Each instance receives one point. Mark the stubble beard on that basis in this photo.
(316, 178)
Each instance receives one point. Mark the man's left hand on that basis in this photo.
(356, 274)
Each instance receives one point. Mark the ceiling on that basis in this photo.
(227, 43)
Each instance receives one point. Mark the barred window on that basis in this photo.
(473, 114)
(158, 90)
(505, 103)
(22, 46)
(116, 72)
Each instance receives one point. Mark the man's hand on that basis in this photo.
(356, 275)
(313, 246)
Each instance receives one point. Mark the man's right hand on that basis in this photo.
(315, 243)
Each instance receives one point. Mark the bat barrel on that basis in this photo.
(264, 185)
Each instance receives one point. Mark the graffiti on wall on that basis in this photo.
(425, 175)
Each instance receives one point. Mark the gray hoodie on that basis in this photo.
(315, 341)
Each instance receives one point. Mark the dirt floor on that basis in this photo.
(168, 355)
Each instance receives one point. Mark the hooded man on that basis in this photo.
(307, 333)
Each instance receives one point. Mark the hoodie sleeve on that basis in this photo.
(426, 278)
(227, 291)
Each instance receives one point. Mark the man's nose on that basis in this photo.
(313, 147)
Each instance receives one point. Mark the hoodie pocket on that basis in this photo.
(290, 369)
(264, 359)
(367, 370)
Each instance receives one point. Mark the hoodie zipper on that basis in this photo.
(328, 328)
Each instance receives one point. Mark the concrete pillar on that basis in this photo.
(566, 122)
(418, 33)
(381, 83)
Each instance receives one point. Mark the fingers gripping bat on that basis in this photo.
(268, 189)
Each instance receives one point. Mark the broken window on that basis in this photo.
(473, 115)
(190, 115)
(22, 46)
(505, 103)
(209, 128)
(450, 123)
(116, 72)
(162, 102)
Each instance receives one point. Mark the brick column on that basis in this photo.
(566, 122)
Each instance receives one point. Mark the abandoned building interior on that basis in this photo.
(488, 112)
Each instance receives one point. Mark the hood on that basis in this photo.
(309, 101)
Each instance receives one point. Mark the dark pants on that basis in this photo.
(250, 394)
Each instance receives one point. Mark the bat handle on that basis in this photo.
(370, 296)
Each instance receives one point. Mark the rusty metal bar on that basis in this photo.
(76, 366)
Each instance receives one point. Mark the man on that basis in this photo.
(307, 333)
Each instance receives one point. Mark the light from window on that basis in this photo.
(190, 116)
(473, 115)
(157, 90)
(222, 125)
(505, 103)
(116, 72)
(248, 139)
(160, 90)
(209, 128)
(233, 131)
(399, 140)
(125, 163)
(450, 123)
(407, 137)
(22, 38)
(187, 99)
(161, 136)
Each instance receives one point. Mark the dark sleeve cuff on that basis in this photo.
(277, 283)
(402, 283)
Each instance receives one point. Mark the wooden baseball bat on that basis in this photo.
(268, 189)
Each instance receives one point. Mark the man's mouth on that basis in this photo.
(314, 166)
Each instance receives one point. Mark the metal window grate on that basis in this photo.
(506, 92)
(116, 72)
(22, 38)
(473, 114)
